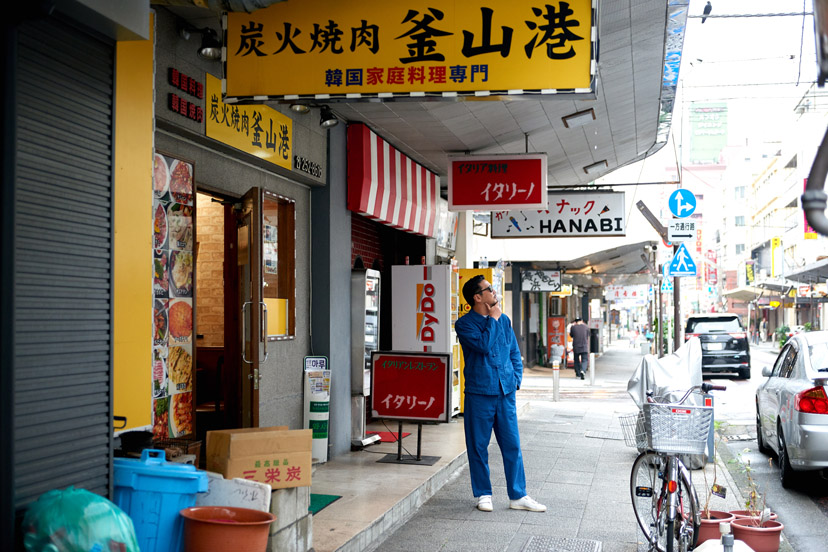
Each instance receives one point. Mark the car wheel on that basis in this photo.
(786, 473)
(760, 441)
(744, 373)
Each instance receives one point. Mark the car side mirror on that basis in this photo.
(766, 371)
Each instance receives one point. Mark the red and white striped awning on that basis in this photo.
(387, 186)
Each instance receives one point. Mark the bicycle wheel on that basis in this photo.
(649, 498)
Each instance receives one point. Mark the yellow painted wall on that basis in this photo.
(132, 391)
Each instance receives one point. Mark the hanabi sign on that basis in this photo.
(410, 386)
(569, 214)
(373, 48)
(255, 129)
(505, 181)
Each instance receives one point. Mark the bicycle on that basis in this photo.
(664, 500)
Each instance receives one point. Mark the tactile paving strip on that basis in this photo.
(559, 544)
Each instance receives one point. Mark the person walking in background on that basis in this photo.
(579, 332)
(493, 372)
(763, 330)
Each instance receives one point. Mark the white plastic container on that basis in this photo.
(714, 545)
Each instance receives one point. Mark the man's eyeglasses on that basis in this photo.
(489, 289)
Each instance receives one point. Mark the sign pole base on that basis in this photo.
(398, 458)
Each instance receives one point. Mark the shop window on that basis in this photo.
(279, 265)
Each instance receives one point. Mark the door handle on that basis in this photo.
(264, 330)
(244, 330)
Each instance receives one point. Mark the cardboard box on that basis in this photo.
(274, 455)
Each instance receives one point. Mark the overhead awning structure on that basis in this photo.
(624, 265)
(744, 293)
(388, 186)
(812, 272)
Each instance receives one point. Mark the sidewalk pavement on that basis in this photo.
(576, 463)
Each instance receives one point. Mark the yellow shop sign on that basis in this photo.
(375, 48)
(255, 129)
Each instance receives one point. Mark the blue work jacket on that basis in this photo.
(491, 353)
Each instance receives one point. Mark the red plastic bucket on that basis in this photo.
(211, 528)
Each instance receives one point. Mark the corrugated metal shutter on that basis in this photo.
(63, 261)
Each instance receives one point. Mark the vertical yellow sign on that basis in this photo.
(776, 256)
(255, 129)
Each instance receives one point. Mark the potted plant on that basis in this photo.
(755, 525)
(782, 335)
(710, 519)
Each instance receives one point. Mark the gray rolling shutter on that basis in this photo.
(63, 261)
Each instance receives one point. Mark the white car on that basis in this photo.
(792, 406)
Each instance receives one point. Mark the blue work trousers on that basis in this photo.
(482, 414)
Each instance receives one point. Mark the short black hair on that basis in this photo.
(471, 287)
(577, 319)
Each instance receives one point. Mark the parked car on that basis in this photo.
(795, 330)
(792, 406)
(724, 342)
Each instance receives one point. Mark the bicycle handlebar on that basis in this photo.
(704, 387)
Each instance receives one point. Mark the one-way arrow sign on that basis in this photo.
(682, 263)
(681, 230)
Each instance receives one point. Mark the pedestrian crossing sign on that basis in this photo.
(666, 285)
(682, 263)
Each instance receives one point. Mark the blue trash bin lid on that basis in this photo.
(152, 467)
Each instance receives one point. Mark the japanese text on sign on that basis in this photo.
(569, 214)
(486, 182)
(273, 471)
(356, 47)
(258, 130)
(410, 386)
(540, 280)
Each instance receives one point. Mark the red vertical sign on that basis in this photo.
(555, 334)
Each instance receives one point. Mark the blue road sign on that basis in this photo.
(682, 263)
(682, 203)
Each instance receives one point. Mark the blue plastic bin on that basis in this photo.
(152, 491)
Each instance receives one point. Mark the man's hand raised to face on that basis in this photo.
(494, 310)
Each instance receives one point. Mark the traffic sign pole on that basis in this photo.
(676, 309)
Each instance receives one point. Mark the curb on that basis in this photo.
(738, 482)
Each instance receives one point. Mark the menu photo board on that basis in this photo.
(173, 261)
(410, 386)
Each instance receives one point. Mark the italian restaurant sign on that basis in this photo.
(374, 48)
(569, 214)
(504, 181)
(410, 386)
(256, 129)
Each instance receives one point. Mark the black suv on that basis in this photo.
(724, 342)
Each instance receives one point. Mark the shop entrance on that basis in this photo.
(226, 351)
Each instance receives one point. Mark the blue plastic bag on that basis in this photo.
(76, 520)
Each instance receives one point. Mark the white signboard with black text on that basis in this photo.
(681, 230)
(569, 214)
(540, 280)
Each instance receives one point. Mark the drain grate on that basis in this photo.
(617, 435)
(560, 544)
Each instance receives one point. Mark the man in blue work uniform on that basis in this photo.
(493, 371)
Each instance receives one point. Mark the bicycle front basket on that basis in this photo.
(677, 428)
(632, 426)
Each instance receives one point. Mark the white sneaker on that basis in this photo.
(527, 503)
(484, 503)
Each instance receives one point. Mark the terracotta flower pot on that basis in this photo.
(745, 514)
(710, 526)
(212, 528)
(760, 539)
